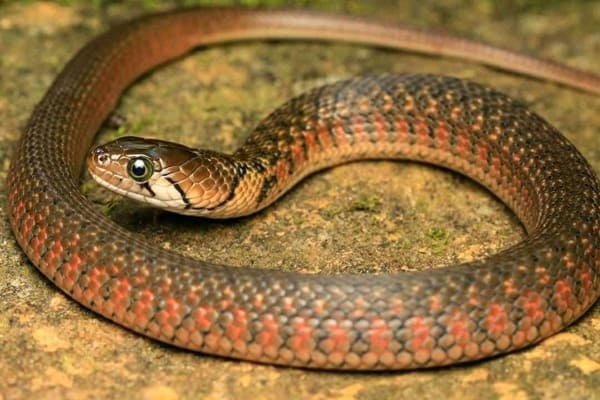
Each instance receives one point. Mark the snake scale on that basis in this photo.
(360, 322)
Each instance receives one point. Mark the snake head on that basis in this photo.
(163, 174)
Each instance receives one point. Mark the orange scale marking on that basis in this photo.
(358, 124)
(338, 335)
(380, 126)
(586, 279)
(462, 142)
(269, 334)
(281, 170)
(421, 332)
(564, 294)
(402, 129)
(458, 328)
(435, 303)
(74, 264)
(170, 314)
(311, 143)
(123, 288)
(533, 305)
(482, 154)
(508, 287)
(340, 132)
(495, 166)
(237, 329)
(497, 320)
(323, 136)
(298, 153)
(441, 135)
(542, 274)
(301, 339)
(202, 316)
(379, 335)
(422, 132)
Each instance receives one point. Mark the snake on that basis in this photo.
(409, 320)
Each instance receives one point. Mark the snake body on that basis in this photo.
(411, 320)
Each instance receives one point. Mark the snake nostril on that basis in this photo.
(100, 155)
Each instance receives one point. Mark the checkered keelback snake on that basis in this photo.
(417, 319)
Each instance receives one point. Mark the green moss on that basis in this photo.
(297, 219)
(366, 203)
(438, 238)
(331, 211)
(436, 234)
(87, 186)
(109, 206)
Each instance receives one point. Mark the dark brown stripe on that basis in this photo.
(146, 186)
(268, 183)
(177, 187)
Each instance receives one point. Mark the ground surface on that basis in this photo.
(366, 217)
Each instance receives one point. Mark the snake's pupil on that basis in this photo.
(139, 169)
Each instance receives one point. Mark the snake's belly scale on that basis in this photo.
(411, 320)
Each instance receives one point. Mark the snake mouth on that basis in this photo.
(143, 192)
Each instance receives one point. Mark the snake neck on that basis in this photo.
(443, 121)
(206, 183)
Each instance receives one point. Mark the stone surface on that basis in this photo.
(363, 217)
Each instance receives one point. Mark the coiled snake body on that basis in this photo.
(418, 319)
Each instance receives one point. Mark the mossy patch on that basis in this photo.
(367, 203)
(439, 239)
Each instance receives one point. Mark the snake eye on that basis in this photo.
(140, 169)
